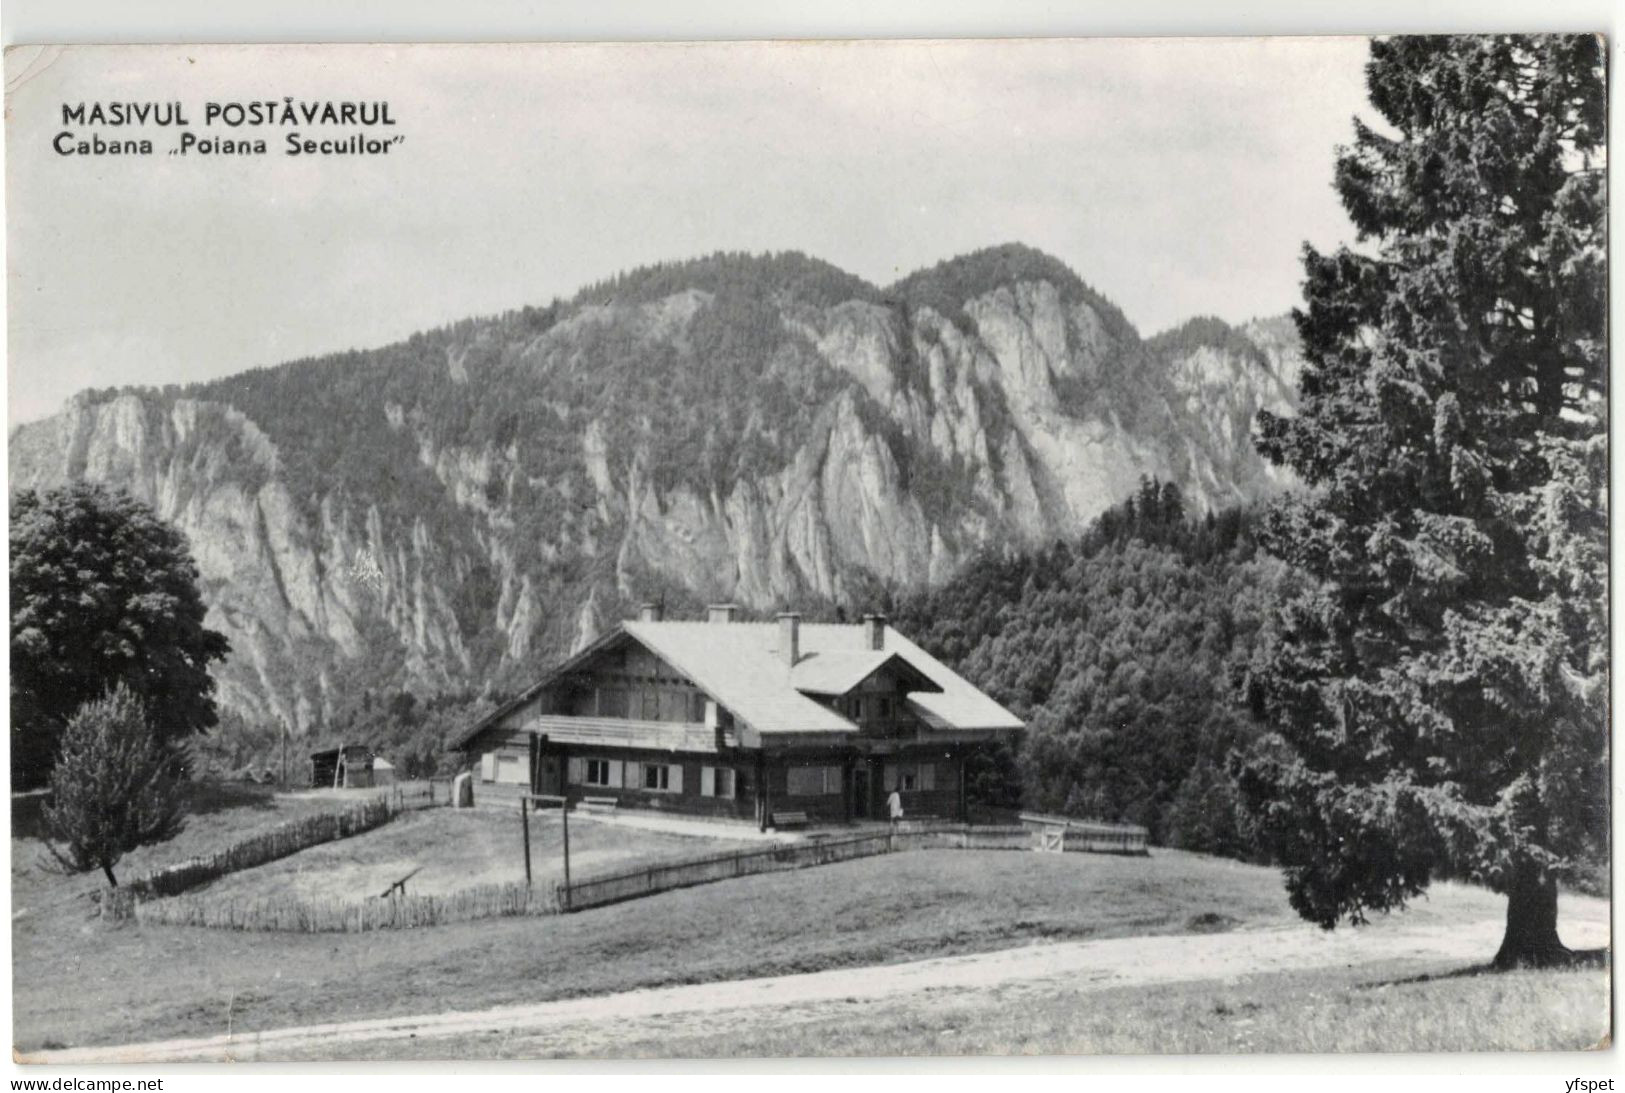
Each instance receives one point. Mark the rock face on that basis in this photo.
(459, 509)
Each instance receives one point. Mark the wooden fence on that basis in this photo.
(280, 841)
(297, 914)
(1088, 835)
(615, 887)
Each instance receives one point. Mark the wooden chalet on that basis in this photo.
(770, 722)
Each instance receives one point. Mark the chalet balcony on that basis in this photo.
(625, 732)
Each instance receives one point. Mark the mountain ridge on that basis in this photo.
(450, 510)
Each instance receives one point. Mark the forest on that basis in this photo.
(1128, 652)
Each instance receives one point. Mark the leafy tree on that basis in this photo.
(102, 590)
(992, 776)
(113, 787)
(1439, 690)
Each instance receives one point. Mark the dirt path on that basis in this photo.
(594, 1025)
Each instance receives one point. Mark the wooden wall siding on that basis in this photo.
(690, 798)
(823, 807)
(631, 683)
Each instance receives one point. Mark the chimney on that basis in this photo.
(790, 637)
(649, 612)
(721, 612)
(874, 631)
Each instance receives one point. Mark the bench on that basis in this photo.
(790, 819)
(599, 804)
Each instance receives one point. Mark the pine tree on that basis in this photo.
(1439, 692)
(113, 788)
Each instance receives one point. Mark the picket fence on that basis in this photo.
(609, 888)
(303, 915)
(296, 914)
(278, 842)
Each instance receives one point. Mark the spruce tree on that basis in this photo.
(113, 787)
(1439, 692)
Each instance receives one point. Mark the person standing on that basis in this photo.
(894, 805)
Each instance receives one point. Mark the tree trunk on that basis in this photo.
(107, 867)
(1531, 936)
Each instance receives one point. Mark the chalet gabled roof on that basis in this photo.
(740, 666)
(837, 671)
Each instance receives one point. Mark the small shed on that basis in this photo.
(349, 766)
(383, 771)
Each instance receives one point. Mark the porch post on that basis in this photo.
(760, 779)
(764, 794)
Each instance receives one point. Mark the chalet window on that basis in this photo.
(885, 709)
(651, 705)
(661, 777)
(910, 777)
(598, 773)
(696, 707)
(813, 781)
(716, 782)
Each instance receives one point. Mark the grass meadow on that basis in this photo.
(79, 980)
(1399, 1006)
(446, 850)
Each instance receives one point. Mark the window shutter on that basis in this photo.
(578, 770)
(928, 776)
(676, 784)
(488, 767)
(634, 774)
(615, 773)
(889, 780)
(708, 782)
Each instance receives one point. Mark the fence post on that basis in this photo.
(524, 823)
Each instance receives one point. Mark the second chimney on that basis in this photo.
(721, 612)
(650, 612)
(874, 631)
(790, 637)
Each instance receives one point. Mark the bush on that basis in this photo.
(114, 786)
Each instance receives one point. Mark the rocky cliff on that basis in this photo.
(458, 509)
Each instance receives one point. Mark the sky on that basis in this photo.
(1177, 177)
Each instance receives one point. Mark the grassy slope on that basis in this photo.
(1398, 1007)
(219, 814)
(80, 981)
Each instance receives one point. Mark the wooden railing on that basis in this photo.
(630, 733)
